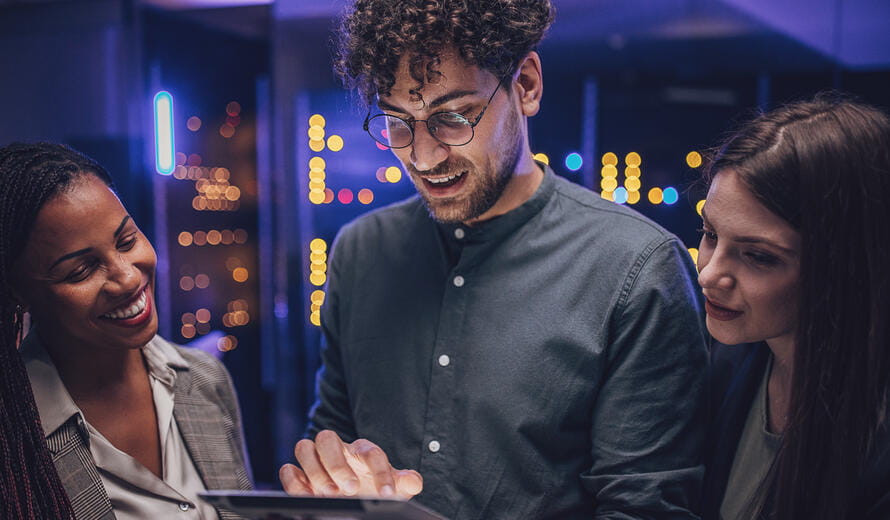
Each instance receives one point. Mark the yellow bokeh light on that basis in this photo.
(317, 120)
(633, 159)
(318, 245)
(214, 237)
(609, 184)
(186, 283)
(610, 159)
(187, 331)
(202, 281)
(317, 279)
(317, 164)
(693, 252)
(393, 174)
(233, 193)
(317, 175)
(632, 171)
(317, 296)
(335, 143)
(607, 195)
(316, 197)
(609, 171)
(318, 258)
(315, 319)
(542, 157)
(194, 123)
(316, 133)
(633, 197)
(316, 146)
(314, 307)
(699, 206)
(693, 159)
(185, 238)
(632, 184)
(656, 196)
(227, 343)
(317, 185)
(202, 315)
(240, 274)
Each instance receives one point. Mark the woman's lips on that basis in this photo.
(720, 313)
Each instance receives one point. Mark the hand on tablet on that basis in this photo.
(330, 467)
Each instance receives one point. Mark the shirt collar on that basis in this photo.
(503, 225)
(55, 404)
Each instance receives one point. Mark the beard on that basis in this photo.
(484, 185)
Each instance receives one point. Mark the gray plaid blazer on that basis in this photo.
(207, 414)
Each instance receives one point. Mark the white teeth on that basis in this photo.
(128, 312)
(445, 179)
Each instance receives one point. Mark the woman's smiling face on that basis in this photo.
(87, 272)
(749, 266)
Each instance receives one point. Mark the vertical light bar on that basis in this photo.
(164, 147)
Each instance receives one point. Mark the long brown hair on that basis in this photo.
(30, 175)
(824, 167)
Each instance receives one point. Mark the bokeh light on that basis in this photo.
(670, 195)
(393, 174)
(699, 205)
(656, 196)
(240, 274)
(365, 196)
(193, 123)
(620, 195)
(345, 196)
(542, 157)
(335, 143)
(633, 159)
(693, 159)
(574, 161)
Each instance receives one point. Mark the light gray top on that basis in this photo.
(754, 456)
(135, 492)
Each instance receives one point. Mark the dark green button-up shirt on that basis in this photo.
(547, 363)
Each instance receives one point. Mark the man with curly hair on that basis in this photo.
(530, 349)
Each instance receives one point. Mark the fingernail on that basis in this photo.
(386, 491)
(350, 486)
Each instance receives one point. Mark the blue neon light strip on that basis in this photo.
(165, 150)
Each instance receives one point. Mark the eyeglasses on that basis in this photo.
(449, 128)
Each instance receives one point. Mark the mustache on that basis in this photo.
(450, 167)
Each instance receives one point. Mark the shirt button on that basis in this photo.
(459, 281)
(184, 506)
(444, 360)
(434, 446)
(459, 233)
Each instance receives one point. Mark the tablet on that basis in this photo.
(278, 505)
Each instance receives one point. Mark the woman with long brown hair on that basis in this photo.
(795, 268)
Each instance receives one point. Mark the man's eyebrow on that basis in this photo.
(441, 100)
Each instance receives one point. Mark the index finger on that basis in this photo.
(378, 465)
(331, 452)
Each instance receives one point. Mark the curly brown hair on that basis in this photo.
(491, 34)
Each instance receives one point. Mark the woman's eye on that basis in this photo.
(762, 259)
(710, 236)
(127, 244)
(80, 273)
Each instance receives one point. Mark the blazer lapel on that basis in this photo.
(201, 423)
(71, 455)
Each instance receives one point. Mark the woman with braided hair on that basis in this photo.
(99, 417)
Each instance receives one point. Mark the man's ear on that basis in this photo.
(529, 81)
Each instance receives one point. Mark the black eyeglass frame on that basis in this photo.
(410, 124)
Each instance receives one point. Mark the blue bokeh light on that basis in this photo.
(620, 195)
(574, 161)
(670, 195)
(165, 150)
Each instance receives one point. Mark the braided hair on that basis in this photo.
(30, 175)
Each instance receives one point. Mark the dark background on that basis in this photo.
(661, 78)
